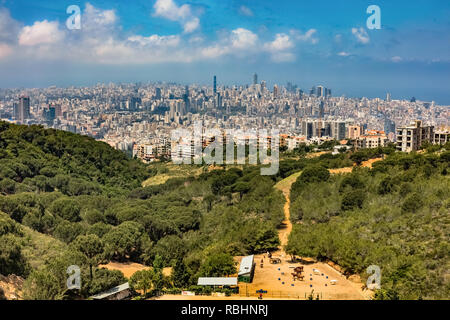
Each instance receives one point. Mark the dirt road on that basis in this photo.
(276, 279)
(321, 279)
(365, 164)
(285, 187)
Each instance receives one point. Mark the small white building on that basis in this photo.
(218, 282)
(117, 293)
(246, 269)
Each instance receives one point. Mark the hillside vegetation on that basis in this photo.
(69, 200)
(395, 215)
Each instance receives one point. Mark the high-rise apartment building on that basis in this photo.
(338, 130)
(275, 91)
(263, 85)
(335, 129)
(49, 114)
(16, 111)
(320, 91)
(23, 111)
(388, 97)
(158, 94)
(411, 137)
(186, 99)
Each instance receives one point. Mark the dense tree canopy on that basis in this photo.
(394, 215)
(76, 201)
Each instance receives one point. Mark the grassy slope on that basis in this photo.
(39, 248)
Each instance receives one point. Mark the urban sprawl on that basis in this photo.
(139, 118)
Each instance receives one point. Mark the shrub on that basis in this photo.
(314, 174)
(386, 186)
(412, 203)
(352, 181)
(353, 199)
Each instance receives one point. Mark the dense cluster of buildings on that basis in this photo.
(140, 118)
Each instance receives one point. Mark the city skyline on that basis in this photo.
(215, 84)
(187, 42)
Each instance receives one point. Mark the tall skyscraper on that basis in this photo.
(275, 91)
(158, 94)
(321, 109)
(172, 110)
(215, 85)
(263, 85)
(133, 103)
(49, 114)
(255, 79)
(186, 99)
(320, 91)
(58, 110)
(218, 101)
(24, 109)
(16, 111)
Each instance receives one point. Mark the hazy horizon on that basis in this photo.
(304, 43)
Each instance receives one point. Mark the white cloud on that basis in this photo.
(99, 17)
(243, 39)
(156, 40)
(41, 32)
(9, 28)
(196, 40)
(243, 42)
(246, 11)
(308, 36)
(5, 50)
(279, 48)
(361, 35)
(343, 54)
(192, 25)
(101, 40)
(168, 9)
(215, 51)
(239, 42)
(282, 42)
(396, 59)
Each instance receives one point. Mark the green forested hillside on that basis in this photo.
(84, 202)
(68, 200)
(396, 216)
(33, 159)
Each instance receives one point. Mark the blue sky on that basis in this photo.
(304, 42)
